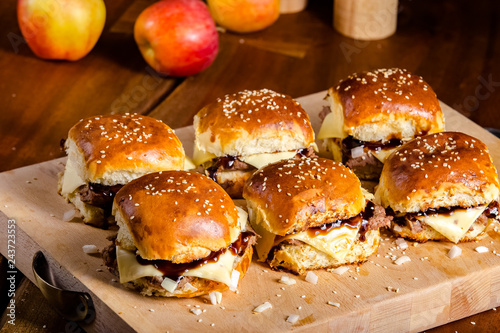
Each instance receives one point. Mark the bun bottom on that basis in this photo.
(203, 286)
(301, 258)
(476, 232)
(92, 215)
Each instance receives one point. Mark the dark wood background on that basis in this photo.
(454, 45)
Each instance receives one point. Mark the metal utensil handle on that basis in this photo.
(72, 305)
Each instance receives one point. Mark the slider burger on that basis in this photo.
(106, 152)
(311, 213)
(372, 113)
(180, 235)
(242, 132)
(440, 187)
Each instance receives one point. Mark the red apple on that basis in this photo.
(244, 15)
(61, 29)
(177, 37)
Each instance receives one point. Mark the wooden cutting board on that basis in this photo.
(377, 296)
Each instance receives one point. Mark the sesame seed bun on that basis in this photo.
(252, 122)
(175, 215)
(296, 194)
(387, 104)
(445, 169)
(288, 198)
(114, 149)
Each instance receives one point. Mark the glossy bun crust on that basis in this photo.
(252, 122)
(112, 145)
(438, 170)
(178, 216)
(296, 194)
(388, 104)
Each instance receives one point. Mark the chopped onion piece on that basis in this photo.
(262, 307)
(218, 296)
(402, 260)
(69, 215)
(215, 297)
(334, 304)
(397, 228)
(357, 152)
(482, 249)
(196, 311)
(235, 277)
(287, 280)
(169, 284)
(454, 252)
(90, 249)
(401, 243)
(340, 270)
(311, 277)
(190, 287)
(292, 318)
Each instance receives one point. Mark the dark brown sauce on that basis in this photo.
(105, 190)
(353, 222)
(327, 227)
(366, 215)
(350, 143)
(226, 162)
(445, 211)
(175, 271)
(303, 152)
(492, 211)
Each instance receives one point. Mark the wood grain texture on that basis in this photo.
(432, 289)
(42, 99)
(440, 42)
(452, 44)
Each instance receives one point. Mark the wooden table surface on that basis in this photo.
(454, 45)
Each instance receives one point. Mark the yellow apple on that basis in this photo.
(244, 15)
(61, 29)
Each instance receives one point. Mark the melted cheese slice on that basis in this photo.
(188, 164)
(337, 243)
(333, 124)
(265, 243)
(71, 180)
(382, 154)
(260, 160)
(219, 271)
(454, 225)
(256, 160)
(335, 149)
(201, 156)
(130, 269)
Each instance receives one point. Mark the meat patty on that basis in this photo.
(379, 219)
(99, 195)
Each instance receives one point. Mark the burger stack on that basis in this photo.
(180, 234)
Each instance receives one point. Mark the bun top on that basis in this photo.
(388, 104)
(176, 215)
(114, 144)
(252, 122)
(446, 169)
(297, 194)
